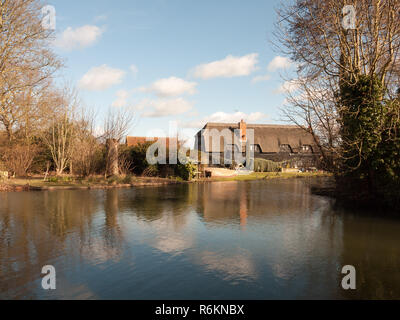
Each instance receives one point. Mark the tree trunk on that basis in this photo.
(59, 172)
(112, 157)
(9, 132)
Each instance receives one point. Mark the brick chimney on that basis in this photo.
(243, 128)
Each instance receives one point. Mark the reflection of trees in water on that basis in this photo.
(371, 245)
(33, 232)
(104, 241)
(66, 210)
(37, 229)
(165, 213)
(316, 245)
(151, 204)
(306, 242)
(112, 231)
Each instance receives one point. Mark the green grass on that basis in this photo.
(38, 182)
(271, 175)
(100, 181)
(74, 182)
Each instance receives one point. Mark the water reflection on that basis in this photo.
(233, 267)
(233, 201)
(34, 232)
(373, 246)
(239, 240)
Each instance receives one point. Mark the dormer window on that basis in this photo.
(306, 149)
(285, 148)
(255, 148)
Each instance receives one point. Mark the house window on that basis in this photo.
(306, 149)
(255, 148)
(285, 148)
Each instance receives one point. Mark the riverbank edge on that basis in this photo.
(9, 187)
(269, 176)
(151, 182)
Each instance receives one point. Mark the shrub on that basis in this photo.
(261, 165)
(87, 157)
(112, 180)
(125, 162)
(127, 179)
(151, 171)
(185, 171)
(18, 158)
(137, 156)
(53, 179)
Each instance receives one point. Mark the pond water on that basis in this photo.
(220, 240)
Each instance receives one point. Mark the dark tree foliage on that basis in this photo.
(371, 142)
(138, 157)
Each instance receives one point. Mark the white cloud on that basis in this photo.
(229, 67)
(288, 86)
(122, 99)
(101, 17)
(261, 78)
(226, 118)
(134, 69)
(101, 78)
(279, 63)
(81, 37)
(143, 104)
(171, 87)
(164, 107)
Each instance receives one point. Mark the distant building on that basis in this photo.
(271, 142)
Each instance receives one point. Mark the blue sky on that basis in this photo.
(173, 60)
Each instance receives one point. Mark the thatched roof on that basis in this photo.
(268, 137)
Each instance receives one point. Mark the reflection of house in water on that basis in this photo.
(220, 201)
(224, 202)
(243, 209)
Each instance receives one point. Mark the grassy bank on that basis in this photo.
(270, 175)
(98, 182)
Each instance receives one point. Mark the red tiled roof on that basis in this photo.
(134, 141)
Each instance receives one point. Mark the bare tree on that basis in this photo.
(27, 61)
(328, 55)
(313, 108)
(18, 158)
(85, 145)
(116, 126)
(60, 136)
(125, 164)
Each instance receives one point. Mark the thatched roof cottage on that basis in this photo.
(272, 142)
